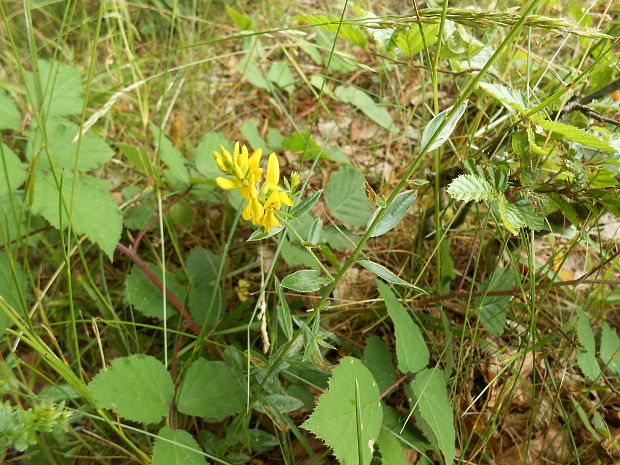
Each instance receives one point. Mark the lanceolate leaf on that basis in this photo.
(94, 212)
(436, 122)
(610, 348)
(176, 447)
(411, 349)
(305, 281)
(394, 213)
(139, 387)
(305, 205)
(386, 274)
(429, 389)
(334, 419)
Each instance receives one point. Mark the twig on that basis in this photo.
(134, 257)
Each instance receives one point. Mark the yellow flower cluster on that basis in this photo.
(247, 174)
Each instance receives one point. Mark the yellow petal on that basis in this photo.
(257, 210)
(242, 161)
(254, 160)
(226, 154)
(270, 220)
(273, 174)
(235, 153)
(285, 199)
(225, 183)
(247, 212)
(273, 201)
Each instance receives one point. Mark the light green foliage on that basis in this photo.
(146, 297)
(447, 130)
(610, 348)
(391, 449)
(94, 212)
(345, 197)
(468, 187)
(242, 21)
(394, 213)
(281, 75)
(511, 98)
(12, 171)
(518, 215)
(362, 101)
(61, 87)
(10, 117)
(411, 350)
(564, 131)
(176, 447)
(61, 144)
(12, 287)
(350, 32)
(176, 172)
(12, 219)
(334, 419)
(493, 309)
(410, 42)
(210, 390)
(586, 354)
(250, 131)
(305, 281)
(386, 274)
(378, 359)
(20, 428)
(429, 389)
(295, 256)
(138, 387)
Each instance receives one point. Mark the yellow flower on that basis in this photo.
(273, 203)
(273, 174)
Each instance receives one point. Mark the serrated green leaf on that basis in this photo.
(62, 146)
(468, 187)
(586, 358)
(512, 98)
(12, 285)
(61, 86)
(94, 213)
(563, 131)
(447, 130)
(391, 449)
(203, 155)
(386, 274)
(12, 171)
(146, 297)
(305, 281)
(610, 348)
(510, 215)
(350, 32)
(362, 101)
(410, 41)
(378, 359)
(411, 350)
(429, 389)
(176, 447)
(138, 386)
(210, 390)
(394, 213)
(345, 197)
(176, 173)
(10, 117)
(334, 419)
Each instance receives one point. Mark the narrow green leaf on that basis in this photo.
(334, 419)
(345, 197)
(305, 281)
(305, 205)
(411, 350)
(394, 213)
(11, 286)
(429, 389)
(283, 313)
(314, 236)
(176, 447)
(386, 274)
(138, 386)
(586, 358)
(447, 130)
(242, 21)
(210, 390)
